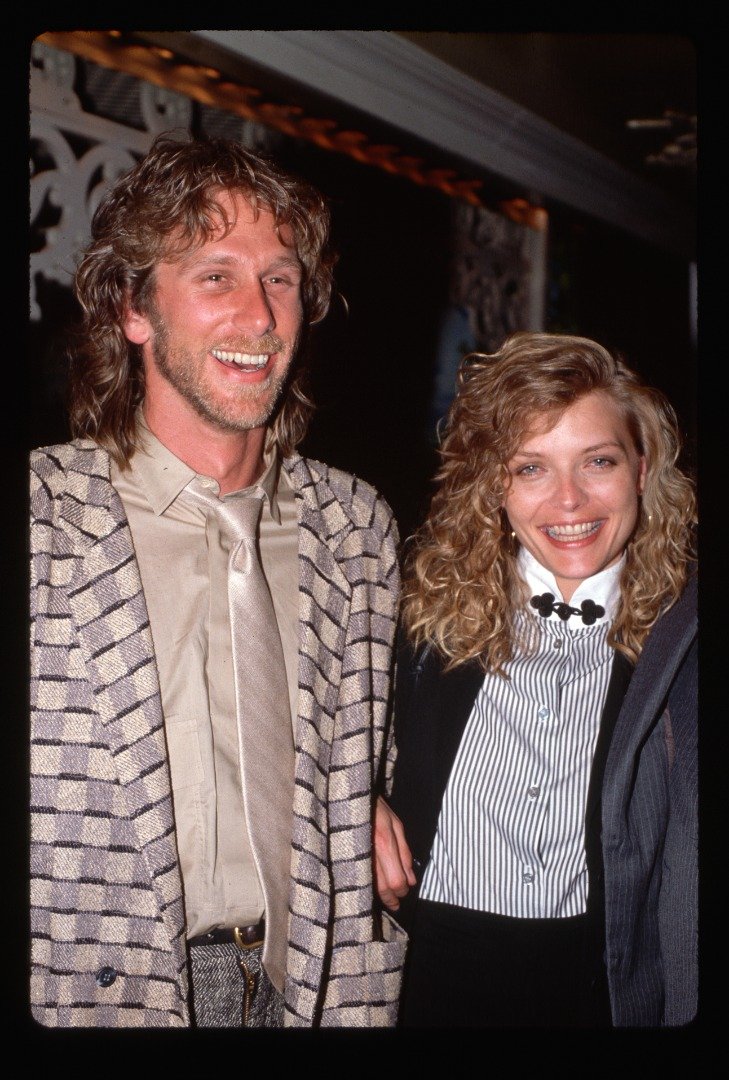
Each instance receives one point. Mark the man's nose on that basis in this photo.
(253, 314)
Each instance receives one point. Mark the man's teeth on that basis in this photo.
(240, 358)
(572, 532)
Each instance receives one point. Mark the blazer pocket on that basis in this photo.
(364, 980)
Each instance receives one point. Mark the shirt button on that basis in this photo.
(533, 791)
(527, 877)
(558, 644)
(543, 713)
(106, 976)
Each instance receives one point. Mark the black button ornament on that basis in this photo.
(106, 976)
(588, 611)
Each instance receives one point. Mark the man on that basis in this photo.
(212, 624)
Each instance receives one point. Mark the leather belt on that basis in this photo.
(245, 937)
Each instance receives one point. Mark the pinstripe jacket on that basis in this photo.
(650, 830)
(107, 921)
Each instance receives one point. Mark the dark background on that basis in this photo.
(371, 373)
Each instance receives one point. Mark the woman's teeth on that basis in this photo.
(572, 532)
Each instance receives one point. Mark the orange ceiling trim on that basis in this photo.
(111, 48)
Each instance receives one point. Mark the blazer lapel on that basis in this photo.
(431, 711)
(108, 605)
(325, 598)
(457, 691)
(662, 655)
(620, 676)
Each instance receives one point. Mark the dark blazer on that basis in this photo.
(636, 801)
(650, 830)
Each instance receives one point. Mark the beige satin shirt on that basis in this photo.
(184, 574)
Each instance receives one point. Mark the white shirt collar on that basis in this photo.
(603, 588)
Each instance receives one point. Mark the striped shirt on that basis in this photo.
(511, 832)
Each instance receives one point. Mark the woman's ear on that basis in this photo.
(642, 470)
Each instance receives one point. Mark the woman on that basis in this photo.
(559, 535)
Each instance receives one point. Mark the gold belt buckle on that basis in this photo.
(241, 943)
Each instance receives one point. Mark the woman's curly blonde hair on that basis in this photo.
(462, 587)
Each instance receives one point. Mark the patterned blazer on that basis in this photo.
(107, 919)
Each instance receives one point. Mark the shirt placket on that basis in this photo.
(554, 658)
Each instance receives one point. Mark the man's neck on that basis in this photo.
(233, 458)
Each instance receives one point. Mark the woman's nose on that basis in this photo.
(569, 493)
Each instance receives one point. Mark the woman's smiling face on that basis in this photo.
(573, 488)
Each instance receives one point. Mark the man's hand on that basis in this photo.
(393, 861)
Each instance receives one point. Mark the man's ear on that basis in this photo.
(137, 327)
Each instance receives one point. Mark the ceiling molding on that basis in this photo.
(389, 78)
(163, 59)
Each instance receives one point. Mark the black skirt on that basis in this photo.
(475, 969)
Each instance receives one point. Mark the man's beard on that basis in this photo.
(258, 400)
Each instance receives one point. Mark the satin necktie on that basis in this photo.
(263, 715)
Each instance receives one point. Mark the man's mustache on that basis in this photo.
(268, 343)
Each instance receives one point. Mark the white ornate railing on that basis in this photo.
(76, 154)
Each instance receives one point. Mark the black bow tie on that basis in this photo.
(545, 604)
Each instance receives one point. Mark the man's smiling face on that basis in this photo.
(224, 323)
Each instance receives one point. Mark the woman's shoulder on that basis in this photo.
(423, 668)
(677, 627)
(686, 605)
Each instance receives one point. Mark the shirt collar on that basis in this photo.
(603, 588)
(162, 476)
(267, 484)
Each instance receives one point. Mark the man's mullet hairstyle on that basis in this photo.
(166, 205)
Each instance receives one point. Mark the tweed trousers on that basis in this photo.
(230, 988)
